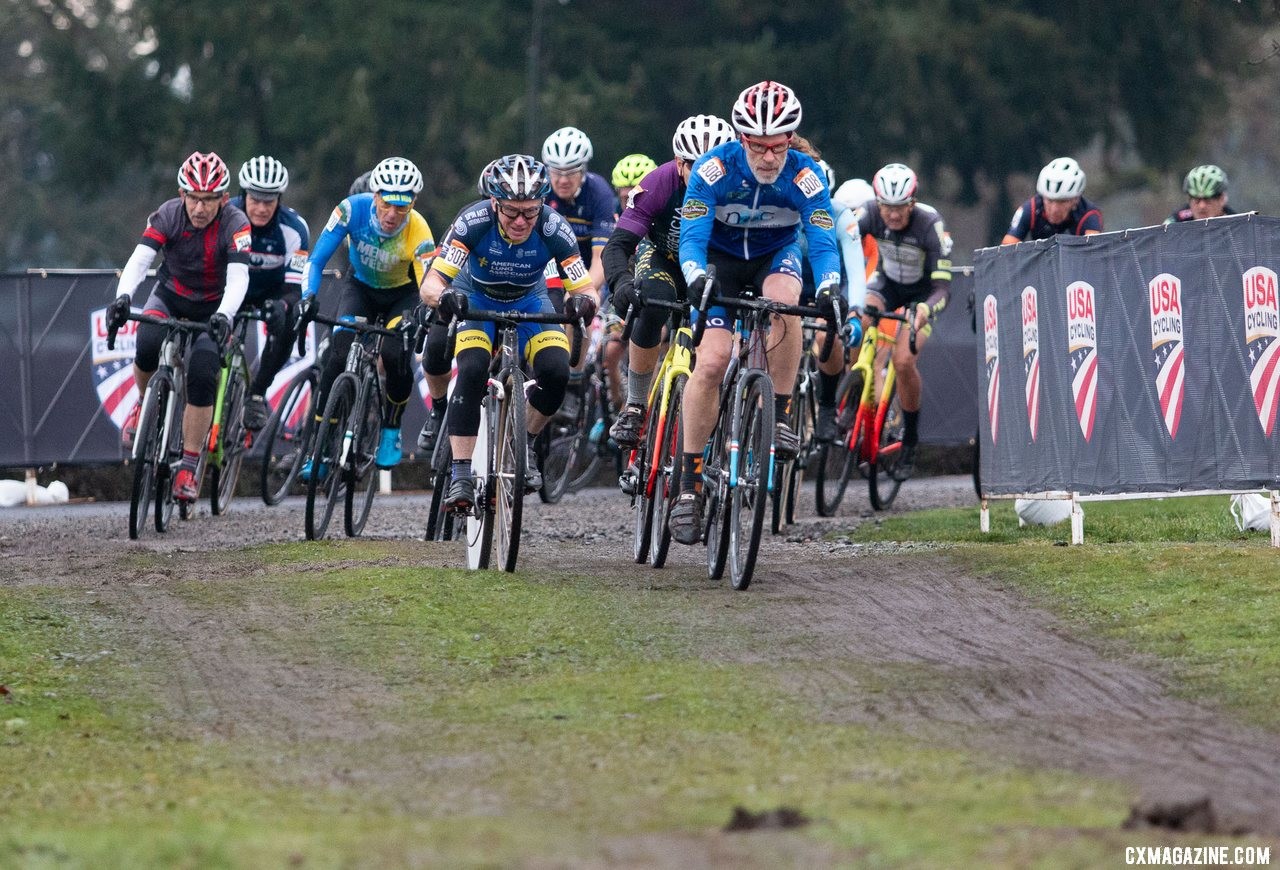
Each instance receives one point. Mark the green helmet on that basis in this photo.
(1205, 181)
(631, 169)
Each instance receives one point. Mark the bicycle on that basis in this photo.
(738, 468)
(501, 447)
(346, 442)
(804, 419)
(157, 444)
(573, 450)
(287, 437)
(869, 423)
(652, 472)
(440, 520)
(228, 439)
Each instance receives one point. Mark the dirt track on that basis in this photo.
(928, 649)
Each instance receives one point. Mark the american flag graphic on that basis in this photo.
(1031, 357)
(112, 370)
(1165, 296)
(1082, 339)
(1262, 342)
(991, 341)
(1169, 379)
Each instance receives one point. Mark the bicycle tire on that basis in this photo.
(837, 459)
(585, 456)
(666, 483)
(148, 453)
(362, 485)
(510, 453)
(715, 489)
(287, 439)
(553, 446)
(479, 525)
(642, 504)
(439, 519)
(883, 486)
(226, 473)
(806, 415)
(327, 455)
(753, 432)
(172, 457)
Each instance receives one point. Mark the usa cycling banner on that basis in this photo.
(1151, 360)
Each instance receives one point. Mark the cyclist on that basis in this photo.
(745, 206)
(390, 246)
(205, 276)
(586, 200)
(1206, 190)
(493, 257)
(913, 269)
(627, 173)
(649, 230)
(1057, 207)
(277, 256)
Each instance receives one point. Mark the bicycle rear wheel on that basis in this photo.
(667, 479)
(226, 474)
(479, 525)
(510, 452)
(836, 460)
(555, 445)
(440, 520)
(327, 485)
(642, 503)
(366, 429)
(287, 438)
(148, 453)
(716, 490)
(586, 455)
(883, 485)
(171, 459)
(753, 432)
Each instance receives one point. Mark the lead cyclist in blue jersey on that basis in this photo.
(745, 206)
(493, 258)
(390, 248)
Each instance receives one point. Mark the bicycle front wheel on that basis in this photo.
(287, 438)
(836, 460)
(365, 426)
(667, 477)
(642, 501)
(753, 433)
(226, 472)
(509, 451)
(148, 453)
(327, 485)
(883, 485)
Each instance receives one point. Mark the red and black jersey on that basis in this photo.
(195, 261)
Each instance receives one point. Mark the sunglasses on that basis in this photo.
(512, 213)
(759, 148)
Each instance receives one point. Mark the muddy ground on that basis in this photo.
(1002, 675)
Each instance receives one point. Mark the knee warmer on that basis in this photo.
(551, 370)
(435, 357)
(202, 377)
(473, 373)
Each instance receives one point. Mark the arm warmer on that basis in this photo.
(135, 270)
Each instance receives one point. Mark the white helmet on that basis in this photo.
(828, 174)
(263, 174)
(1061, 179)
(894, 184)
(397, 180)
(698, 134)
(853, 193)
(766, 109)
(567, 149)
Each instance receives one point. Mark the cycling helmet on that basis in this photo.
(828, 174)
(484, 177)
(1061, 179)
(766, 109)
(397, 180)
(567, 149)
(698, 134)
(1205, 181)
(631, 169)
(203, 173)
(361, 184)
(853, 193)
(263, 174)
(517, 176)
(894, 184)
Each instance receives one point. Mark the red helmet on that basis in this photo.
(203, 173)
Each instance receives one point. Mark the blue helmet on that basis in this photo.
(517, 176)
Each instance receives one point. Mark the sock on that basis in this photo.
(190, 459)
(638, 384)
(461, 468)
(910, 424)
(781, 408)
(691, 473)
(828, 384)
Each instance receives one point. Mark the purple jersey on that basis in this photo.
(195, 261)
(653, 208)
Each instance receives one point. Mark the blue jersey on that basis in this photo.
(377, 260)
(502, 269)
(592, 214)
(277, 253)
(726, 208)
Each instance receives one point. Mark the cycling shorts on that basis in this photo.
(734, 274)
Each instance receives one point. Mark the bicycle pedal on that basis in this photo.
(629, 481)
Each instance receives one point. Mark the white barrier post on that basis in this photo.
(1077, 520)
(1275, 518)
(384, 481)
(984, 521)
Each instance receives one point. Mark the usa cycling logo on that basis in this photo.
(991, 341)
(112, 370)
(1165, 294)
(1082, 339)
(1031, 356)
(1261, 331)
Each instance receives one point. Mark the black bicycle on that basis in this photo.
(287, 439)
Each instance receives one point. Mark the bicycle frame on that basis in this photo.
(677, 361)
(873, 404)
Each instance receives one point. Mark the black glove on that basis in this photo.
(220, 330)
(626, 295)
(831, 304)
(697, 289)
(273, 312)
(303, 313)
(117, 316)
(453, 304)
(581, 307)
